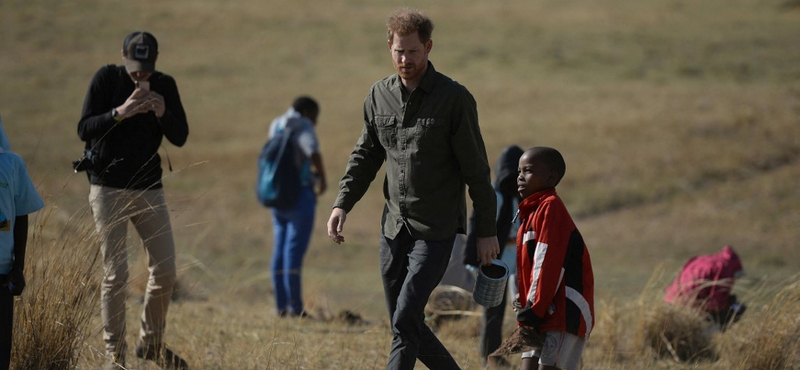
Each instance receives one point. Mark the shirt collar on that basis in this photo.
(532, 202)
(429, 79)
(426, 84)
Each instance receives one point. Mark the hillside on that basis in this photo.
(679, 122)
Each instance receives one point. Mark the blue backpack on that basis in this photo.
(278, 182)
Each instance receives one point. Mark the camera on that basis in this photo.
(87, 162)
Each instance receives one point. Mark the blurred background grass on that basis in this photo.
(679, 122)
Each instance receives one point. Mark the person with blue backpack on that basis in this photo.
(292, 137)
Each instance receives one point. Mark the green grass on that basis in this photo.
(679, 122)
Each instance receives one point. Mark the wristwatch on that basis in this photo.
(115, 115)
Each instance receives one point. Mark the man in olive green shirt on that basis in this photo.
(424, 126)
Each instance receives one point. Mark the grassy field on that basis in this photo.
(679, 122)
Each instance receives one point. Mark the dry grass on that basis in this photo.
(678, 333)
(771, 339)
(678, 121)
(666, 336)
(53, 319)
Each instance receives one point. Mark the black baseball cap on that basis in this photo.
(140, 50)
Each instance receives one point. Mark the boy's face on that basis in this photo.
(534, 175)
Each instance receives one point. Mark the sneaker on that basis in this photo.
(117, 362)
(162, 356)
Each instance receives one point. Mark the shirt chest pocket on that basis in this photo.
(387, 130)
(432, 132)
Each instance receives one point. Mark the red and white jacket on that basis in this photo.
(554, 270)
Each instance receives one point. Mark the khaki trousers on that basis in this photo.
(147, 211)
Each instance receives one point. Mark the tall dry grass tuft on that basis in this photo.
(769, 338)
(610, 334)
(647, 330)
(650, 333)
(677, 332)
(52, 318)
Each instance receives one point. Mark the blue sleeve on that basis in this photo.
(26, 198)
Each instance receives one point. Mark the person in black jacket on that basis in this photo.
(505, 186)
(127, 112)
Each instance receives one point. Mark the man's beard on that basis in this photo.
(407, 71)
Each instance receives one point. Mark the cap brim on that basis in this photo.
(133, 65)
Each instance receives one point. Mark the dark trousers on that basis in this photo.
(6, 324)
(492, 329)
(410, 270)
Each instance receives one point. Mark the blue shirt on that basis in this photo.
(18, 197)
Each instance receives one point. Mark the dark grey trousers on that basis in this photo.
(411, 269)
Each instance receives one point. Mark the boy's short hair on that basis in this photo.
(553, 159)
(305, 104)
(407, 21)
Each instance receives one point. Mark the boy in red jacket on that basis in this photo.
(554, 271)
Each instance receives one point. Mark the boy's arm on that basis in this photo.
(16, 277)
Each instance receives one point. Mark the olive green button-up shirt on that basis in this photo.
(433, 149)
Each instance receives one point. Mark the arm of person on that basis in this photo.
(309, 145)
(26, 201)
(16, 277)
(470, 153)
(471, 244)
(319, 170)
(365, 160)
(169, 111)
(97, 117)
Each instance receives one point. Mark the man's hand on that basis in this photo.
(135, 104)
(142, 101)
(336, 225)
(157, 104)
(488, 249)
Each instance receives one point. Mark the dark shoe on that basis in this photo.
(162, 356)
(117, 362)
